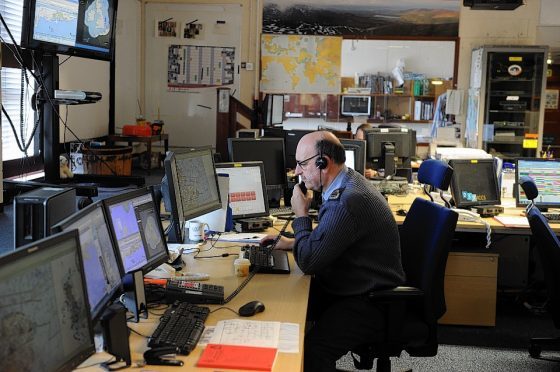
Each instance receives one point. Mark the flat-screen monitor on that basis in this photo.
(291, 140)
(546, 173)
(474, 182)
(101, 268)
(44, 309)
(271, 152)
(355, 105)
(247, 191)
(134, 221)
(192, 186)
(355, 154)
(390, 148)
(83, 28)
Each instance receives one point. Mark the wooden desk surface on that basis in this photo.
(284, 297)
(404, 202)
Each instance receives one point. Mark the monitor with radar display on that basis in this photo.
(44, 310)
(355, 105)
(390, 149)
(84, 28)
(546, 173)
(190, 188)
(101, 268)
(355, 154)
(134, 221)
(247, 191)
(474, 183)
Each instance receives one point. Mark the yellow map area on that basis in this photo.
(300, 64)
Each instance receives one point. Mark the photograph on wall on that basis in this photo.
(362, 17)
(551, 99)
(192, 66)
(192, 30)
(166, 28)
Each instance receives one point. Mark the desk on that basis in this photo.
(284, 296)
(471, 280)
(148, 140)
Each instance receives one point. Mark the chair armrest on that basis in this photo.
(396, 293)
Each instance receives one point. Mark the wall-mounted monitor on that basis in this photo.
(101, 268)
(84, 28)
(355, 105)
(546, 173)
(355, 154)
(139, 239)
(474, 182)
(247, 189)
(44, 310)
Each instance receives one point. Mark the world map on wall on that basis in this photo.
(300, 64)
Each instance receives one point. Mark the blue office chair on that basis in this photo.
(411, 312)
(548, 248)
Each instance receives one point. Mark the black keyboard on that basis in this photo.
(181, 326)
(267, 260)
(552, 216)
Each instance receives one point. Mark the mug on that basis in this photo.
(196, 231)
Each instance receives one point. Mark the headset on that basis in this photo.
(321, 162)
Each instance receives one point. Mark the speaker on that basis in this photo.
(321, 162)
(115, 333)
(134, 298)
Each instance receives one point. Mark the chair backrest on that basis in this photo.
(548, 248)
(426, 236)
(435, 173)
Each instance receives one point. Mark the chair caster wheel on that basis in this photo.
(535, 351)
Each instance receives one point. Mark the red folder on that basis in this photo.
(237, 357)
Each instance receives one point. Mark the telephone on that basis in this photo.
(468, 216)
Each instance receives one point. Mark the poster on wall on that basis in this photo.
(166, 28)
(300, 64)
(362, 17)
(551, 99)
(191, 66)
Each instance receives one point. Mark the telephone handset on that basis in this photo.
(468, 216)
(302, 187)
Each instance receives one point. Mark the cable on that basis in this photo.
(241, 286)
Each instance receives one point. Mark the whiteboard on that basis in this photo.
(434, 58)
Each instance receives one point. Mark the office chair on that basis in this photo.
(411, 312)
(548, 248)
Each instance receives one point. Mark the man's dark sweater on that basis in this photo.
(355, 247)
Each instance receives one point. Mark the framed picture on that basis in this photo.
(551, 99)
(166, 28)
(193, 30)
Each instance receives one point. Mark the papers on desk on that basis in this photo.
(242, 237)
(242, 344)
(513, 221)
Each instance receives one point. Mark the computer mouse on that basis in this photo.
(251, 308)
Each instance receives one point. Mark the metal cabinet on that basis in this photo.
(506, 110)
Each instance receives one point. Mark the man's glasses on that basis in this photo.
(303, 163)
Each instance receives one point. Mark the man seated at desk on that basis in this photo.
(352, 251)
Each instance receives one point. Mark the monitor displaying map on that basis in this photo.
(83, 28)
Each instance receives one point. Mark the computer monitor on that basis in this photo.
(192, 188)
(390, 148)
(291, 140)
(474, 182)
(77, 28)
(355, 105)
(271, 152)
(546, 173)
(134, 222)
(101, 268)
(44, 308)
(247, 191)
(355, 154)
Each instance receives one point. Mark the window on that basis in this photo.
(11, 85)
